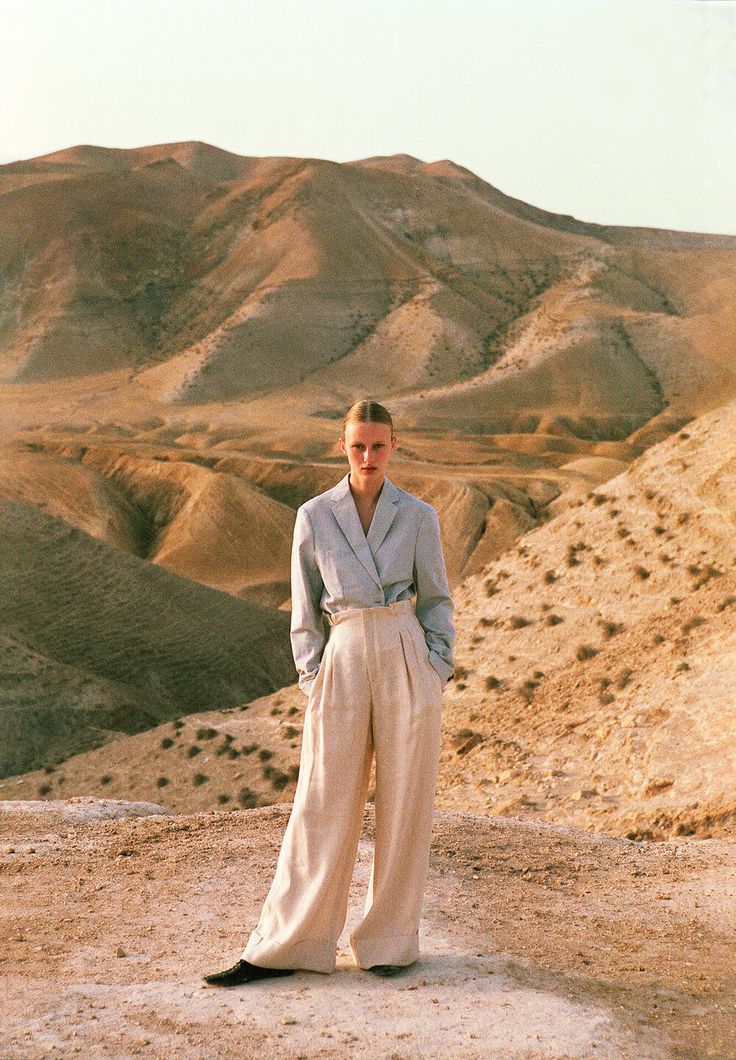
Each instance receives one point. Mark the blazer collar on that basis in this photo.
(346, 513)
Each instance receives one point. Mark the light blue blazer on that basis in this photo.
(335, 567)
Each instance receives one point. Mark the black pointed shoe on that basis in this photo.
(387, 970)
(244, 972)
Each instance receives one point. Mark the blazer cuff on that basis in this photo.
(306, 681)
(443, 668)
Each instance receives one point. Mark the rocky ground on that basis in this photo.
(537, 941)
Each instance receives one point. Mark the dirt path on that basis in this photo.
(538, 941)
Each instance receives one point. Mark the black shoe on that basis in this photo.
(387, 970)
(244, 972)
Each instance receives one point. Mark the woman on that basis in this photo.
(373, 663)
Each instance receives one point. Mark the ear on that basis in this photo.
(342, 446)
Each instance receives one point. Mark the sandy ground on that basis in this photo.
(537, 941)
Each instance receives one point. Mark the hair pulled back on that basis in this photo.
(367, 412)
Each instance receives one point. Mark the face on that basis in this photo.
(367, 447)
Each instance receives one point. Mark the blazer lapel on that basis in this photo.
(343, 507)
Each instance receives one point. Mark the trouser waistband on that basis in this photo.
(397, 608)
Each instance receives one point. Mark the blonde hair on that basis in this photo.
(367, 412)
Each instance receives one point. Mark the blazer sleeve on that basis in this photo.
(434, 605)
(308, 634)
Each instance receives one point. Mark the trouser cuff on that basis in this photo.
(385, 949)
(314, 955)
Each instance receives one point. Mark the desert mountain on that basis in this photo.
(594, 681)
(97, 642)
(179, 276)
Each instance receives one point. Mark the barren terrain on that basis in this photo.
(537, 941)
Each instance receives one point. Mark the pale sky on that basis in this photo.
(614, 111)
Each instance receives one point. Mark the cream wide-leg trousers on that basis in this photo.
(375, 691)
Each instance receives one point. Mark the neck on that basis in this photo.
(370, 490)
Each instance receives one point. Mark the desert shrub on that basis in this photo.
(492, 682)
(223, 798)
(599, 498)
(624, 676)
(178, 724)
(727, 601)
(276, 710)
(292, 711)
(610, 628)
(193, 751)
(538, 675)
(622, 531)
(265, 754)
(49, 769)
(572, 553)
(692, 623)
(161, 782)
(290, 731)
(605, 698)
(527, 689)
(585, 651)
(293, 772)
(554, 620)
(549, 577)
(491, 588)
(682, 666)
(232, 752)
(247, 798)
(706, 574)
(44, 789)
(279, 779)
(659, 530)
(683, 517)
(106, 778)
(675, 600)
(518, 622)
(206, 733)
(658, 638)
(641, 572)
(249, 748)
(167, 742)
(199, 778)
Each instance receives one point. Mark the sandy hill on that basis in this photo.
(595, 677)
(597, 659)
(96, 642)
(220, 510)
(537, 941)
(179, 276)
